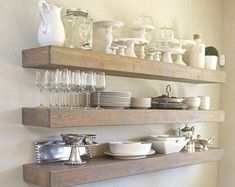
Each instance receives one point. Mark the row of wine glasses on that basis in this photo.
(64, 88)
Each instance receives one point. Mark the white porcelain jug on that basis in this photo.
(51, 29)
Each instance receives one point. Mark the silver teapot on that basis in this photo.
(202, 143)
(188, 132)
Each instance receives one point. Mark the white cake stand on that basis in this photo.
(142, 29)
(122, 50)
(108, 26)
(130, 43)
(151, 56)
(166, 42)
(181, 51)
(142, 46)
(157, 56)
(166, 53)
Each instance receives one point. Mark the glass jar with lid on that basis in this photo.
(78, 28)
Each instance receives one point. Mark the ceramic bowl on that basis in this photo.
(167, 147)
(166, 137)
(127, 148)
(193, 102)
(141, 102)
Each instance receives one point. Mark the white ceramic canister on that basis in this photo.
(51, 29)
(197, 53)
(205, 103)
(211, 62)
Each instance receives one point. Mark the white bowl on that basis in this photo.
(193, 102)
(167, 137)
(121, 147)
(141, 102)
(167, 147)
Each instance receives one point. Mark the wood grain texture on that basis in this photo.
(104, 168)
(52, 57)
(57, 118)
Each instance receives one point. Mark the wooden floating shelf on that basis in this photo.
(61, 118)
(52, 57)
(104, 168)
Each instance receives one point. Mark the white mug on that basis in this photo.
(205, 103)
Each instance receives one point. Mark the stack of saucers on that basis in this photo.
(118, 99)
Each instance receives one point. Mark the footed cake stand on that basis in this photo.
(130, 43)
(182, 43)
(167, 52)
(108, 26)
(142, 29)
(142, 46)
(143, 24)
(167, 47)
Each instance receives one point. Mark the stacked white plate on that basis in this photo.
(120, 99)
(141, 103)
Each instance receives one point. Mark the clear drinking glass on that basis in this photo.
(88, 85)
(100, 84)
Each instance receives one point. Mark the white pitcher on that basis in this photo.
(51, 30)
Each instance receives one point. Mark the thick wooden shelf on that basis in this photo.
(104, 168)
(60, 57)
(58, 118)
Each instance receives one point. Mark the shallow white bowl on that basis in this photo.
(167, 147)
(121, 147)
(166, 137)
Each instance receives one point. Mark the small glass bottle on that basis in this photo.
(197, 53)
(78, 28)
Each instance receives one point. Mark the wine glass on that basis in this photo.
(65, 86)
(50, 79)
(74, 85)
(77, 87)
(46, 83)
(40, 84)
(100, 84)
(57, 88)
(88, 85)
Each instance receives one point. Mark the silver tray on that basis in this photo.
(54, 150)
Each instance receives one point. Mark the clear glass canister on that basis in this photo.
(78, 28)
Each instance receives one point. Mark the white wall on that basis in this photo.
(227, 129)
(19, 22)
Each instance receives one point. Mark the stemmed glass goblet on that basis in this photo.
(88, 85)
(40, 84)
(100, 84)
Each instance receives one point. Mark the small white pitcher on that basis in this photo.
(51, 29)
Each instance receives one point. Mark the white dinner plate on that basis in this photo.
(129, 157)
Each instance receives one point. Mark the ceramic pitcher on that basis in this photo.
(51, 29)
